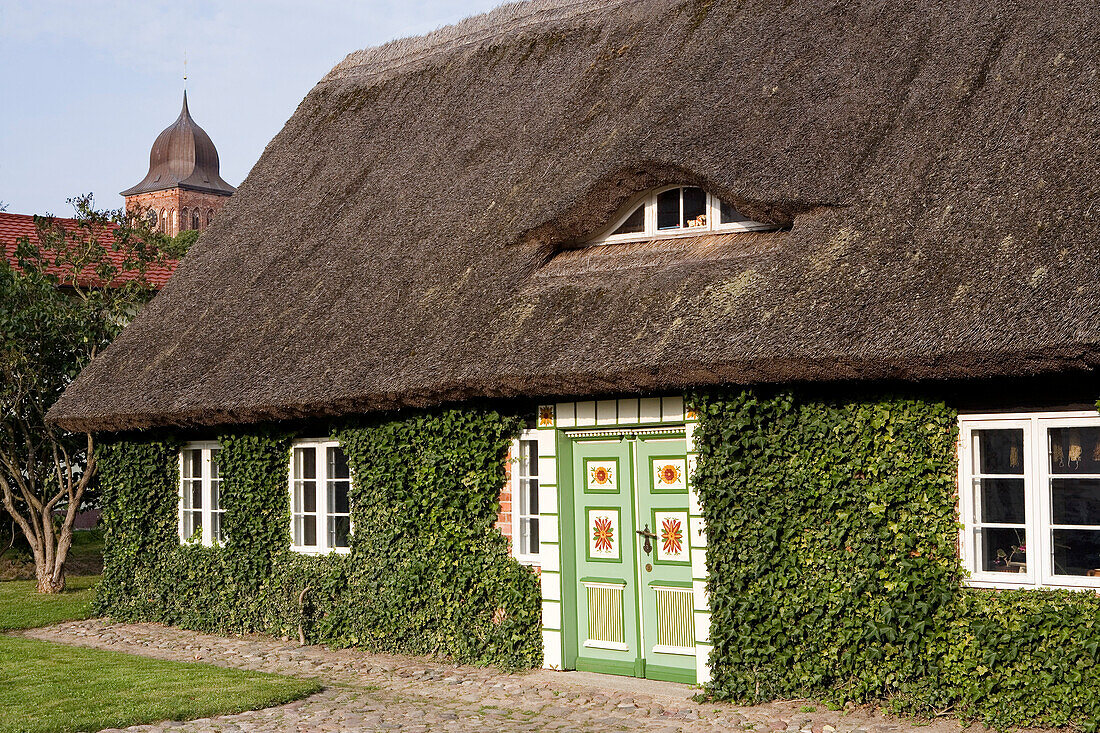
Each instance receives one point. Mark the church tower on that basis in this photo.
(183, 186)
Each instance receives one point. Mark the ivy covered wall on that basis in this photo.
(832, 532)
(427, 572)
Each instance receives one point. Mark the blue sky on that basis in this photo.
(87, 84)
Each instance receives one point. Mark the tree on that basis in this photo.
(72, 291)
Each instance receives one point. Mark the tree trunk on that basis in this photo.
(49, 582)
(49, 561)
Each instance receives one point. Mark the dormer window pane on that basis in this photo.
(695, 207)
(731, 215)
(635, 223)
(668, 209)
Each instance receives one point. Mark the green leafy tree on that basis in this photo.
(59, 306)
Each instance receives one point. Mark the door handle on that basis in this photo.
(647, 546)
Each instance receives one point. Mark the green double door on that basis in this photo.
(634, 601)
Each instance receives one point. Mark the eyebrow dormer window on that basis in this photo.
(679, 211)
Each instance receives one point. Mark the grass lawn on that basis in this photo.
(54, 688)
(22, 608)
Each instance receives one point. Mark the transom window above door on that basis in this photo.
(320, 483)
(1030, 499)
(677, 211)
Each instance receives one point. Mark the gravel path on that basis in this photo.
(382, 692)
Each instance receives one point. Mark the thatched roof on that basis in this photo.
(401, 241)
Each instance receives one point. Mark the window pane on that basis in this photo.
(1076, 551)
(337, 464)
(188, 526)
(1075, 450)
(215, 495)
(695, 207)
(1002, 550)
(1000, 451)
(192, 463)
(216, 526)
(338, 529)
(1075, 501)
(668, 209)
(305, 463)
(528, 458)
(1001, 500)
(309, 531)
(309, 496)
(214, 468)
(634, 224)
(529, 496)
(338, 497)
(196, 494)
(730, 215)
(529, 540)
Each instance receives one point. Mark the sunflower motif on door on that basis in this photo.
(671, 528)
(672, 536)
(668, 474)
(603, 534)
(601, 476)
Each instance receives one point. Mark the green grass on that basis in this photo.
(50, 688)
(55, 688)
(87, 542)
(22, 608)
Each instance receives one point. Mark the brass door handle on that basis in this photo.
(647, 546)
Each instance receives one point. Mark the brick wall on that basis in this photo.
(176, 203)
(504, 516)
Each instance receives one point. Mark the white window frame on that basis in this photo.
(322, 480)
(649, 201)
(207, 535)
(1037, 474)
(529, 558)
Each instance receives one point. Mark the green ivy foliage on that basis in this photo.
(832, 528)
(138, 488)
(427, 574)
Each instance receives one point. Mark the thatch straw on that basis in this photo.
(401, 241)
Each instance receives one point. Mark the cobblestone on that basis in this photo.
(379, 692)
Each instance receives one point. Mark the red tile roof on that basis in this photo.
(14, 227)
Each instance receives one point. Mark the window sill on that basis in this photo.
(1029, 585)
(316, 551)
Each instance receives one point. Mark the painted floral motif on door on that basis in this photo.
(672, 529)
(603, 534)
(672, 536)
(669, 475)
(602, 477)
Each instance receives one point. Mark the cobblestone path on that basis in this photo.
(381, 692)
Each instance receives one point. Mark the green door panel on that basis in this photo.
(666, 598)
(603, 535)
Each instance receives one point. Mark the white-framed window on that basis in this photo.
(677, 211)
(320, 483)
(1029, 488)
(200, 505)
(525, 498)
